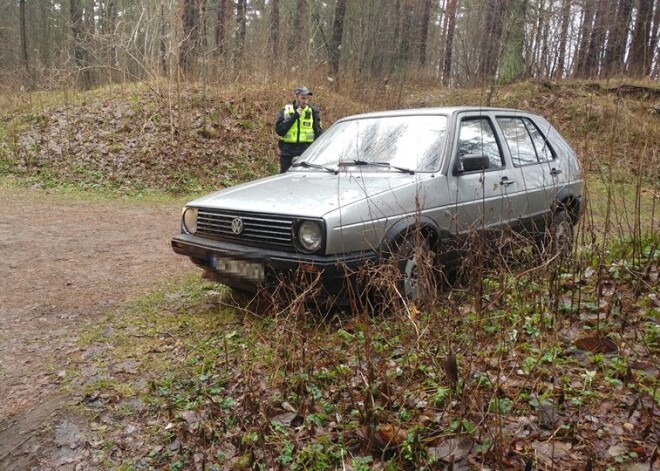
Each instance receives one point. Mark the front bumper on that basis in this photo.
(334, 271)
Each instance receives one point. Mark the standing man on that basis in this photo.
(298, 124)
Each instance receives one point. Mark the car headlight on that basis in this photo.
(310, 235)
(190, 220)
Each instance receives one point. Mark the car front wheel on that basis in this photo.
(415, 263)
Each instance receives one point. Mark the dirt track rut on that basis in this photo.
(64, 263)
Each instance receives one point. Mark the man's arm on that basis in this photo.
(316, 114)
(284, 123)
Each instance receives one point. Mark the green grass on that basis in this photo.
(67, 191)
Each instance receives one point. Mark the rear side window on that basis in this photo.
(477, 137)
(526, 143)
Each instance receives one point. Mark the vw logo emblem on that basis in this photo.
(237, 226)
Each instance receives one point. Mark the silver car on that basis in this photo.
(376, 184)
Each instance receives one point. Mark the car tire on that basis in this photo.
(558, 240)
(414, 258)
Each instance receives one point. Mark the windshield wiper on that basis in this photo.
(319, 167)
(379, 164)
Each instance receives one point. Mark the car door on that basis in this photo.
(534, 168)
(478, 195)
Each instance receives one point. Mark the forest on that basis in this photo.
(457, 43)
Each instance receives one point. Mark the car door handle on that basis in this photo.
(554, 172)
(506, 182)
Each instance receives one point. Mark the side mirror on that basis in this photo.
(474, 162)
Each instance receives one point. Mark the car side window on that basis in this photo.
(526, 143)
(476, 136)
(543, 149)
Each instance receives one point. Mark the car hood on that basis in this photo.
(303, 194)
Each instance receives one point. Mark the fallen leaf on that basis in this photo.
(452, 450)
(389, 436)
(549, 453)
(596, 344)
(289, 419)
(616, 450)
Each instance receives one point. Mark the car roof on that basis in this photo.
(446, 110)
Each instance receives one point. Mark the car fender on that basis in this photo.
(566, 199)
(406, 226)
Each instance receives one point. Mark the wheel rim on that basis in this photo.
(563, 239)
(411, 278)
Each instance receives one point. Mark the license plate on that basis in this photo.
(249, 270)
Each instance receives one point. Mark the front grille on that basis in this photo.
(263, 230)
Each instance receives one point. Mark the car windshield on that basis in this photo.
(409, 143)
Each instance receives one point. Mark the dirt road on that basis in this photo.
(64, 263)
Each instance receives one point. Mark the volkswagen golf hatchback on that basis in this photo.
(376, 184)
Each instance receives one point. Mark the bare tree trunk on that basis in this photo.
(511, 65)
(585, 36)
(224, 15)
(424, 31)
(187, 53)
(107, 25)
(406, 33)
(639, 60)
(563, 38)
(275, 29)
(655, 37)
(614, 61)
(491, 37)
(24, 48)
(596, 41)
(79, 51)
(449, 41)
(194, 37)
(299, 23)
(337, 36)
(163, 45)
(44, 33)
(241, 18)
(534, 64)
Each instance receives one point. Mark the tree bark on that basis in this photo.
(511, 66)
(275, 29)
(639, 60)
(563, 38)
(241, 18)
(224, 14)
(655, 37)
(24, 48)
(614, 61)
(187, 52)
(596, 41)
(424, 31)
(163, 45)
(491, 37)
(297, 35)
(192, 43)
(337, 36)
(449, 41)
(79, 50)
(585, 36)
(406, 33)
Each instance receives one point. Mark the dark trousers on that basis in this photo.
(285, 162)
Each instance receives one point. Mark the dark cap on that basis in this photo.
(302, 91)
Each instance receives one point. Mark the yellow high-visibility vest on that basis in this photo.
(303, 129)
